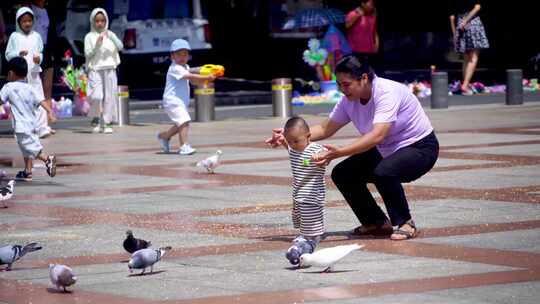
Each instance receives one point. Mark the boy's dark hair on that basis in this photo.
(351, 65)
(296, 122)
(19, 66)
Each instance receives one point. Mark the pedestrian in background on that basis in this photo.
(101, 49)
(26, 42)
(469, 37)
(362, 35)
(42, 26)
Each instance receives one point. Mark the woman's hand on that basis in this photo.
(36, 59)
(277, 138)
(324, 158)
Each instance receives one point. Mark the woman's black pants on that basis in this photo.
(405, 165)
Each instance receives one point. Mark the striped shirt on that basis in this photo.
(308, 191)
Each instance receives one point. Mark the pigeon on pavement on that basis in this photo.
(132, 244)
(7, 192)
(11, 253)
(147, 257)
(327, 257)
(61, 276)
(211, 162)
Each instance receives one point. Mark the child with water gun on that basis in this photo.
(176, 95)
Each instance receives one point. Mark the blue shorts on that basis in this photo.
(29, 144)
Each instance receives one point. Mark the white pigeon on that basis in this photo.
(211, 162)
(327, 257)
(141, 259)
(61, 276)
(11, 253)
(7, 192)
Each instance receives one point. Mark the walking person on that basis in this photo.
(469, 38)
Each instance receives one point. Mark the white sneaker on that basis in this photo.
(186, 149)
(164, 144)
(97, 129)
(108, 130)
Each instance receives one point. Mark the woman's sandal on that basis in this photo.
(373, 230)
(401, 234)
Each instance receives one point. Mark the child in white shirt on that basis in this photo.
(176, 96)
(24, 104)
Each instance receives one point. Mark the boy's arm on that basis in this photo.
(198, 78)
(49, 111)
(117, 42)
(195, 70)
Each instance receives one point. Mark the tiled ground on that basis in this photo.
(478, 211)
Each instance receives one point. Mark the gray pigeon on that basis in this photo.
(6, 192)
(11, 253)
(61, 276)
(147, 257)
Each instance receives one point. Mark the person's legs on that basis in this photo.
(405, 165)
(351, 177)
(169, 133)
(470, 60)
(183, 133)
(95, 96)
(311, 219)
(110, 93)
(50, 163)
(47, 78)
(28, 165)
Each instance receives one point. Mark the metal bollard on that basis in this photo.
(439, 90)
(123, 105)
(514, 87)
(281, 97)
(204, 102)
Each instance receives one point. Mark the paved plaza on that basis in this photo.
(478, 212)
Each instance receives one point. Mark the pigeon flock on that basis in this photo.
(143, 256)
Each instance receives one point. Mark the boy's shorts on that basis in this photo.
(29, 144)
(179, 115)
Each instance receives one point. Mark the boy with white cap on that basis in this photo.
(176, 96)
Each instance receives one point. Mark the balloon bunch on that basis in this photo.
(317, 57)
(75, 79)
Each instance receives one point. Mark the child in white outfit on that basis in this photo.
(101, 47)
(27, 43)
(176, 96)
(24, 104)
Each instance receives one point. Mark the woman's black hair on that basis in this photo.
(351, 65)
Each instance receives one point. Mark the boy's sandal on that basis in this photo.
(373, 230)
(401, 234)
